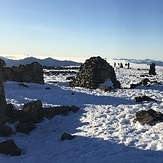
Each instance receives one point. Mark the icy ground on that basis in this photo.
(104, 128)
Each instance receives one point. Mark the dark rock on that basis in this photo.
(30, 73)
(31, 110)
(70, 78)
(35, 113)
(47, 88)
(149, 117)
(132, 86)
(5, 130)
(15, 115)
(67, 136)
(144, 98)
(57, 110)
(152, 70)
(145, 81)
(105, 88)
(23, 85)
(25, 127)
(2, 94)
(94, 72)
(9, 148)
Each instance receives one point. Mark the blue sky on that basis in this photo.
(82, 28)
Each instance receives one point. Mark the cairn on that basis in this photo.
(94, 72)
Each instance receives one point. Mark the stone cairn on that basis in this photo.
(2, 94)
(93, 73)
(30, 73)
(152, 70)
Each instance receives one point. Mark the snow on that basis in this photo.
(103, 126)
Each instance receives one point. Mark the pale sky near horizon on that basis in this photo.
(82, 28)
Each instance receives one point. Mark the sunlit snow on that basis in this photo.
(103, 126)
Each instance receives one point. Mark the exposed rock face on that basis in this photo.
(31, 73)
(2, 94)
(149, 117)
(93, 73)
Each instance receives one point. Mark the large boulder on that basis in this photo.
(94, 72)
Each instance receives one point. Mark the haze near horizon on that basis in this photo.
(80, 29)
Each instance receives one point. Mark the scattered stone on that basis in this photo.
(94, 72)
(132, 86)
(144, 98)
(48, 88)
(106, 88)
(70, 78)
(149, 117)
(145, 81)
(67, 136)
(25, 127)
(35, 113)
(23, 85)
(9, 148)
(57, 110)
(5, 130)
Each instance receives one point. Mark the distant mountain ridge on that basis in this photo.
(45, 62)
(145, 61)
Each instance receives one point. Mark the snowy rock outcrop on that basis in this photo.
(94, 72)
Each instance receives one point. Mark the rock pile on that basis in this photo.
(31, 73)
(33, 112)
(94, 72)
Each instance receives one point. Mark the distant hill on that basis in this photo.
(45, 62)
(145, 61)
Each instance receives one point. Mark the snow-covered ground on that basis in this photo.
(104, 128)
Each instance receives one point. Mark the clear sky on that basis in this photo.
(82, 28)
